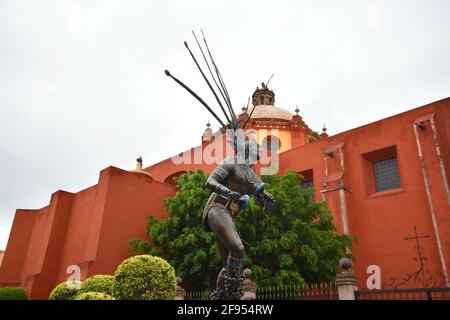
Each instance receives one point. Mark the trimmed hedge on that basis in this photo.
(145, 277)
(13, 293)
(65, 291)
(98, 283)
(93, 296)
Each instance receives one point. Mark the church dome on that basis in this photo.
(270, 112)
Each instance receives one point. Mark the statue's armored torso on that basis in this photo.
(243, 179)
(239, 177)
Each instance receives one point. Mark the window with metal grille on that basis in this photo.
(386, 174)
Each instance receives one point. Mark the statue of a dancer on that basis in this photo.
(232, 183)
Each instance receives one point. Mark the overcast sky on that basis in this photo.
(82, 84)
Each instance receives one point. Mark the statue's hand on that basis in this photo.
(234, 196)
(244, 201)
(225, 191)
(269, 202)
(269, 196)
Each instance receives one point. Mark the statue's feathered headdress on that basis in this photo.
(231, 119)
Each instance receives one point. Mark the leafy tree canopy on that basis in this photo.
(295, 245)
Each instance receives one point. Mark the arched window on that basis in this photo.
(172, 179)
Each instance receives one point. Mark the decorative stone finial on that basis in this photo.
(207, 135)
(138, 168)
(346, 264)
(324, 133)
(248, 273)
(139, 164)
(297, 110)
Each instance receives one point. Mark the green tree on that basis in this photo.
(295, 245)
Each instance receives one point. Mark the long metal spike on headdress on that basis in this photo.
(219, 77)
(229, 105)
(212, 76)
(233, 114)
(250, 115)
(222, 83)
(195, 96)
(207, 81)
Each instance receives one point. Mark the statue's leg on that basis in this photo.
(219, 292)
(231, 250)
(223, 252)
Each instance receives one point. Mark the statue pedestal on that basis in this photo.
(180, 293)
(249, 286)
(346, 281)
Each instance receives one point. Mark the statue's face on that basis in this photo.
(252, 151)
(249, 152)
(246, 147)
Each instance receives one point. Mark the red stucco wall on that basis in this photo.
(380, 221)
(91, 228)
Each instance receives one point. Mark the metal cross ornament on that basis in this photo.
(419, 249)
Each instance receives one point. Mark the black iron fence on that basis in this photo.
(197, 295)
(404, 294)
(321, 291)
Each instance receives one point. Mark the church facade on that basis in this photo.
(386, 183)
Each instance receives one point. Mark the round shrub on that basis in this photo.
(98, 283)
(65, 291)
(93, 296)
(145, 277)
(13, 293)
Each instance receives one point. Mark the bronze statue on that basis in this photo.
(232, 183)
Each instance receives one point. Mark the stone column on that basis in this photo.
(346, 281)
(249, 286)
(180, 293)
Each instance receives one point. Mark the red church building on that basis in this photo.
(386, 183)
